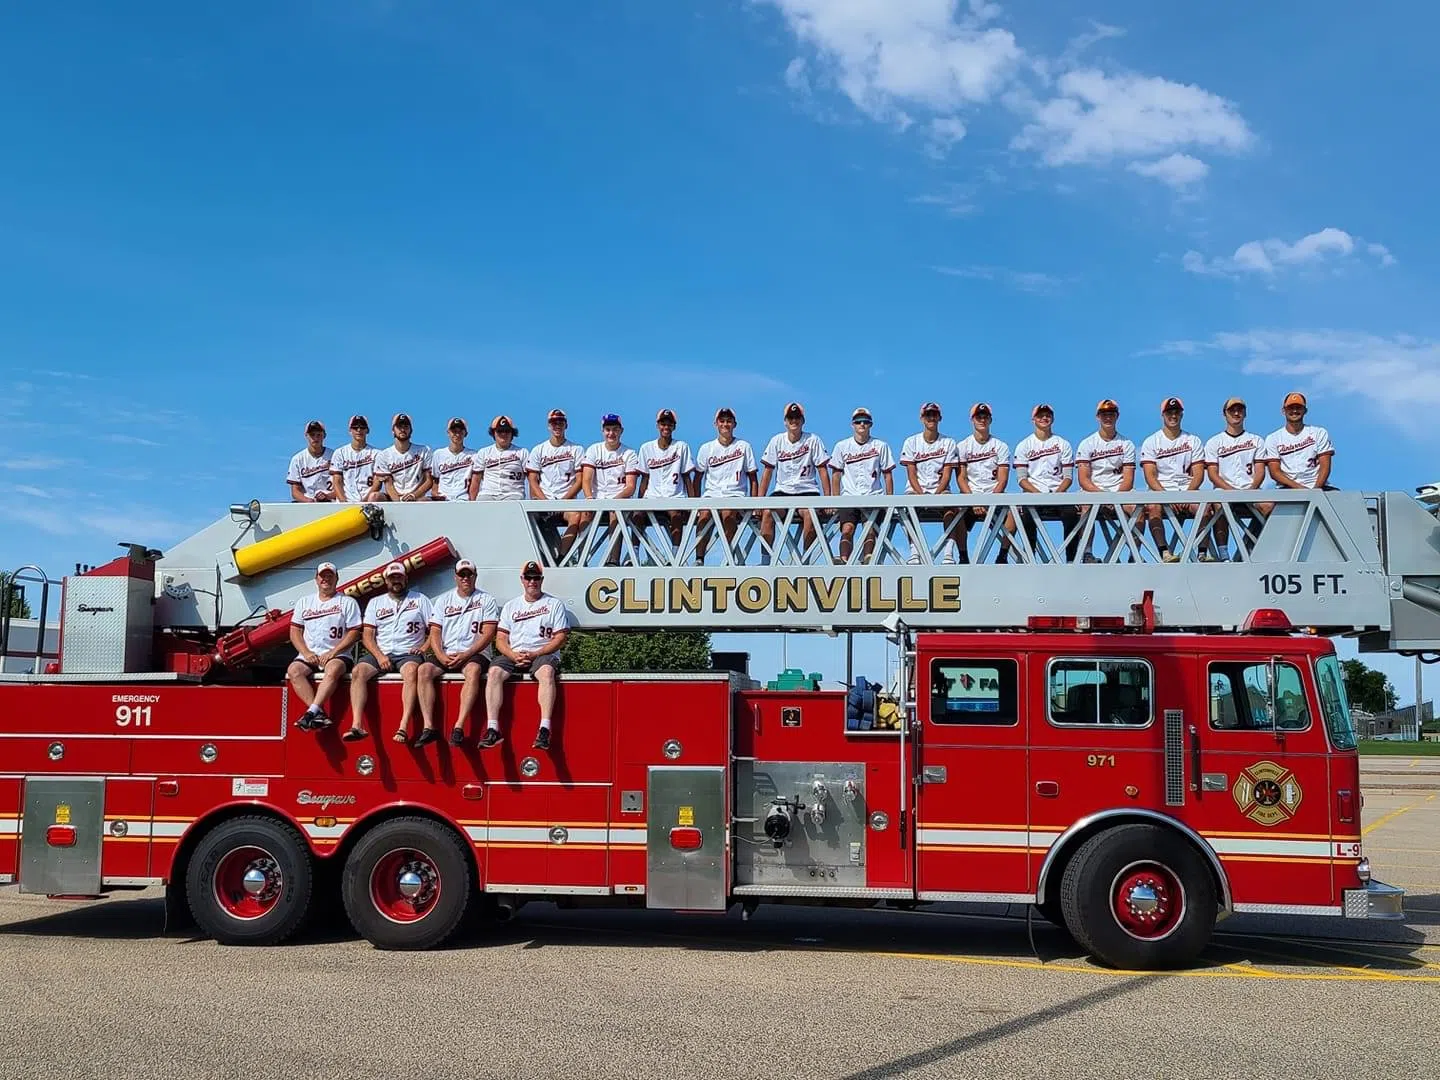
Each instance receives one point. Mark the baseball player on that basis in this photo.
(666, 471)
(610, 470)
(796, 459)
(554, 468)
(352, 466)
(1299, 455)
(1044, 462)
(861, 465)
(929, 458)
(1172, 460)
(324, 626)
(532, 631)
(462, 627)
(982, 467)
(450, 465)
(1235, 461)
(394, 630)
(309, 473)
(726, 466)
(402, 471)
(1105, 461)
(499, 471)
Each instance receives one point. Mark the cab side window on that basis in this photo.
(1086, 691)
(974, 692)
(1239, 697)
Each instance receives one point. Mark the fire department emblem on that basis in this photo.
(1267, 793)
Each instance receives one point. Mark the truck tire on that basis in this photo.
(1139, 897)
(249, 881)
(408, 884)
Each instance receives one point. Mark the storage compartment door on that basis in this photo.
(686, 850)
(61, 834)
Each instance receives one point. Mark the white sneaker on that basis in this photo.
(949, 557)
(914, 559)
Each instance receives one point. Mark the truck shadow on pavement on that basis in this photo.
(947, 933)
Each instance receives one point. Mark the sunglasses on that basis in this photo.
(464, 573)
(862, 423)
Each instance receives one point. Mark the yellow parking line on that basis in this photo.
(1226, 972)
(1388, 818)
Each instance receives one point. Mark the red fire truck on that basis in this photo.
(1134, 766)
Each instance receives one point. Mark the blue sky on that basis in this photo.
(217, 224)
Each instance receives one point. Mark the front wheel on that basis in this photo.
(249, 882)
(408, 884)
(1139, 897)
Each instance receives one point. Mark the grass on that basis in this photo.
(1384, 748)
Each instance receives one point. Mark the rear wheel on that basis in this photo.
(1139, 897)
(250, 881)
(408, 884)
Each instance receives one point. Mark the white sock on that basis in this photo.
(545, 722)
(493, 725)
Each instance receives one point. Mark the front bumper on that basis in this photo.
(1375, 901)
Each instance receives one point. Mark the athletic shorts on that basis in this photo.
(849, 515)
(315, 669)
(480, 661)
(505, 664)
(398, 659)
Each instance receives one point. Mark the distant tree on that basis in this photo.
(618, 650)
(12, 599)
(1367, 688)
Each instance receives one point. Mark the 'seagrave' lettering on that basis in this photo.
(754, 595)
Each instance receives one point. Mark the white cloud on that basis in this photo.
(1178, 170)
(956, 201)
(1268, 258)
(927, 62)
(1031, 281)
(1400, 375)
(34, 463)
(1096, 118)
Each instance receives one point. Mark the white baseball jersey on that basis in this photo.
(504, 472)
(311, 473)
(929, 459)
(1299, 455)
(1107, 458)
(401, 626)
(666, 468)
(407, 468)
(1047, 462)
(1235, 456)
(461, 618)
(797, 464)
(325, 622)
(725, 469)
(557, 466)
(1172, 458)
(981, 461)
(531, 625)
(451, 470)
(355, 469)
(611, 468)
(862, 466)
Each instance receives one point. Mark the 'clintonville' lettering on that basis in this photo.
(753, 595)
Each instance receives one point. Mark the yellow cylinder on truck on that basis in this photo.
(296, 543)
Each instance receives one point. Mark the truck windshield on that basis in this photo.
(1332, 700)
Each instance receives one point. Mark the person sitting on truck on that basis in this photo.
(1299, 455)
(1172, 460)
(309, 473)
(862, 465)
(666, 472)
(450, 465)
(324, 627)
(498, 472)
(352, 467)
(1044, 462)
(610, 470)
(462, 626)
(799, 463)
(554, 468)
(1105, 461)
(982, 467)
(402, 471)
(394, 630)
(727, 471)
(1235, 461)
(929, 457)
(532, 631)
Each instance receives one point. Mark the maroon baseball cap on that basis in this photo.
(666, 416)
(532, 570)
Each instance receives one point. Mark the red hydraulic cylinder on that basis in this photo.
(247, 642)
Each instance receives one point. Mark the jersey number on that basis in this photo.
(412, 627)
(336, 633)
